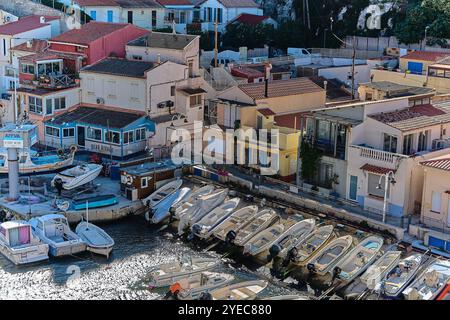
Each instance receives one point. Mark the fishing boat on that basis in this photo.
(401, 275)
(287, 297)
(205, 205)
(293, 236)
(236, 221)
(247, 290)
(193, 286)
(32, 161)
(54, 230)
(192, 198)
(204, 228)
(262, 220)
(19, 244)
(162, 210)
(162, 193)
(372, 277)
(97, 240)
(168, 273)
(359, 259)
(77, 176)
(329, 256)
(430, 282)
(303, 252)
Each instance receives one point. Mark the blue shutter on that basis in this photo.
(110, 16)
(415, 67)
(93, 15)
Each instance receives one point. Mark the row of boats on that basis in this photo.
(317, 250)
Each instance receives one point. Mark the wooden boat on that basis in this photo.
(247, 290)
(204, 228)
(203, 206)
(19, 244)
(293, 236)
(287, 297)
(94, 202)
(430, 282)
(235, 222)
(169, 273)
(193, 286)
(325, 260)
(359, 258)
(32, 161)
(304, 251)
(162, 210)
(401, 275)
(77, 176)
(54, 230)
(262, 220)
(162, 193)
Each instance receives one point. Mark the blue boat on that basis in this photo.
(94, 202)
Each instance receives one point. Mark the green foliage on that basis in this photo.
(251, 36)
(310, 161)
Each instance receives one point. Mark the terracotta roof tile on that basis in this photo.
(247, 18)
(426, 56)
(25, 24)
(266, 112)
(442, 163)
(37, 45)
(280, 88)
(176, 2)
(376, 169)
(292, 120)
(98, 3)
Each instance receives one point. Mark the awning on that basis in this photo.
(375, 169)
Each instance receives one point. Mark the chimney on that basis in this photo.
(42, 19)
(266, 79)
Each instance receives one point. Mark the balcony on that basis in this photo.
(60, 81)
(387, 158)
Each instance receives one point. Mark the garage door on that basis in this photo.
(415, 67)
(436, 243)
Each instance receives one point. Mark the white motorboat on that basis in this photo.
(262, 220)
(77, 176)
(193, 286)
(19, 244)
(162, 193)
(204, 228)
(293, 236)
(235, 222)
(401, 275)
(192, 198)
(97, 240)
(168, 273)
(195, 203)
(54, 230)
(359, 258)
(31, 161)
(430, 282)
(287, 297)
(325, 260)
(204, 206)
(247, 290)
(304, 251)
(162, 210)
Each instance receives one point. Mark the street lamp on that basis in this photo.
(388, 177)
(426, 36)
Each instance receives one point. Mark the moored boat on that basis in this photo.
(54, 230)
(204, 228)
(169, 273)
(194, 286)
(287, 297)
(162, 193)
(445, 294)
(292, 237)
(247, 290)
(77, 176)
(235, 222)
(94, 202)
(430, 282)
(97, 240)
(162, 210)
(19, 244)
(262, 220)
(192, 198)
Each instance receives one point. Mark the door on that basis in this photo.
(353, 190)
(415, 67)
(130, 16)
(110, 16)
(81, 134)
(93, 15)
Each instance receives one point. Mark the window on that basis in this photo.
(373, 189)
(110, 15)
(182, 17)
(51, 131)
(68, 132)
(140, 134)
(407, 145)
(196, 100)
(93, 15)
(35, 105)
(134, 94)
(27, 68)
(136, 57)
(209, 16)
(4, 47)
(144, 182)
(323, 131)
(128, 137)
(422, 144)
(436, 202)
(172, 91)
(111, 91)
(191, 68)
(112, 136)
(94, 134)
(219, 15)
(90, 86)
(154, 19)
(369, 96)
(48, 106)
(49, 68)
(60, 103)
(390, 143)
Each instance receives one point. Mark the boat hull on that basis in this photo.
(30, 254)
(66, 249)
(95, 202)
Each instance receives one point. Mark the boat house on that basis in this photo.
(106, 131)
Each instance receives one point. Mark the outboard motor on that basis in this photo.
(58, 185)
(195, 230)
(171, 215)
(336, 272)
(291, 256)
(311, 267)
(150, 214)
(274, 251)
(205, 296)
(230, 237)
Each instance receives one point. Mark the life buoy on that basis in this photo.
(73, 148)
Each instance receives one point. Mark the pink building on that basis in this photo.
(97, 40)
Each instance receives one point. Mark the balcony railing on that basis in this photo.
(378, 155)
(56, 81)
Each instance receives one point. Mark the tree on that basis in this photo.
(251, 36)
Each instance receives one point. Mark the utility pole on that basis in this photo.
(353, 67)
(216, 40)
(307, 14)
